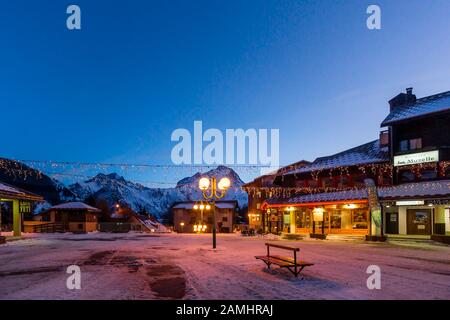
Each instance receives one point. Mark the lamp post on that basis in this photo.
(204, 184)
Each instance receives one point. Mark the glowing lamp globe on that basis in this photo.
(195, 207)
(224, 183)
(208, 207)
(202, 207)
(203, 183)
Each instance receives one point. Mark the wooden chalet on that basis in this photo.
(76, 217)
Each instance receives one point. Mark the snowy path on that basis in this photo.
(142, 266)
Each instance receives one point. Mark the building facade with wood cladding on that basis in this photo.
(397, 184)
(76, 217)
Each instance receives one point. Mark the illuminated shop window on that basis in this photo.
(302, 219)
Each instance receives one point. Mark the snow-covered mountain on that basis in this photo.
(113, 189)
(20, 175)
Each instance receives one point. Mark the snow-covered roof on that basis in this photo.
(427, 105)
(370, 152)
(407, 190)
(416, 189)
(219, 204)
(74, 206)
(226, 205)
(354, 194)
(8, 191)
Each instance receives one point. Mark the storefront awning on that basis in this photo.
(429, 189)
(426, 189)
(339, 197)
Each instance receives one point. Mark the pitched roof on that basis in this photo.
(74, 206)
(423, 106)
(415, 189)
(354, 194)
(8, 191)
(402, 191)
(370, 152)
(268, 179)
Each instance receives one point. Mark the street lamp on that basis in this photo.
(223, 185)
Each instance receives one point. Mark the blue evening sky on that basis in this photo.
(115, 90)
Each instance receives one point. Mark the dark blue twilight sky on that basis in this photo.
(115, 90)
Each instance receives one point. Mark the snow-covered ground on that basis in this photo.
(168, 266)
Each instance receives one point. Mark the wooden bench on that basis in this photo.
(292, 264)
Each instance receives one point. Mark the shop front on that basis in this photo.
(328, 218)
(416, 217)
(416, 209)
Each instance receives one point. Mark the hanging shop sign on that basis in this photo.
(318, 214)
(416, 158)
(410, 203)
(24, 207)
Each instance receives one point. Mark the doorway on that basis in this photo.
(419, 221)
(392, 222)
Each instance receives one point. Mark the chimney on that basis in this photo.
(402, 99)
(384, 138)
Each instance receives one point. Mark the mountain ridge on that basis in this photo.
(112, 189)
(115, 189)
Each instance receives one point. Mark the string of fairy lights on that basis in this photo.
(166, 173)
(85, 170)
(380, 170)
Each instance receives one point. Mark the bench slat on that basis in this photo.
(278, 262)
(299, 262)
(282, 247)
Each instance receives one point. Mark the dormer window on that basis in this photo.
(410, 144)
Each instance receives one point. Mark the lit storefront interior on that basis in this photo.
(328, 217)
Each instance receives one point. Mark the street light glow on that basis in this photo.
(203, 184)
(224, 183)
